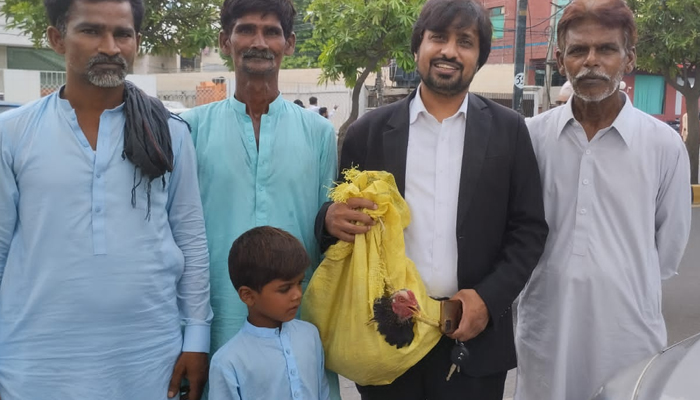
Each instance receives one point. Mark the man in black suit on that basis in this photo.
(466, 167)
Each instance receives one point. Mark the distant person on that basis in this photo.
(313, 104)
(324, 112)
(262, 160)
(617, 201)
(273, 356)
(564, 93)
(299, 103)
(104, 269)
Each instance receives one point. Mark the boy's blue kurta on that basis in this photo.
(283, 363)
(282, 182)
(93, 293)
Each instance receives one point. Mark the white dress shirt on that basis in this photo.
(618, 209)
(433, 169)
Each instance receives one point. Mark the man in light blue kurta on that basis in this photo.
(92, 293)
(262, 160)
(282, 184)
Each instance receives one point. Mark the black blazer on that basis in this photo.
(501, 230)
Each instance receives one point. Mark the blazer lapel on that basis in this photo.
(395, 144)
(476, 140)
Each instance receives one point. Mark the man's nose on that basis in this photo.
(259, 41)
(449, 49)
(108, 46)
(592, 58)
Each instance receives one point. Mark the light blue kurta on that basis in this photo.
(283, 184)
(264, 363)
(92, 293)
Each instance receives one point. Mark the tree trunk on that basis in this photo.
(692, 143)
(691, 93)
(355, 110)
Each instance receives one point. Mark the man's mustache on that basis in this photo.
(447, 61)
(105, 59)
(254, 53)
(591, 74)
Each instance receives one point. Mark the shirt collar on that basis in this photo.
(623, 123)
(275, 107)
(418, 107)
(64, 105)
(261, 332)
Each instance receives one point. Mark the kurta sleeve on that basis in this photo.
(223, 382)
(329, 164)
(673, 211)
(9, 199)
(187, 225)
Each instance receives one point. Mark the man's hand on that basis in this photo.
(475, 315)
(345, 220)
(194, 367)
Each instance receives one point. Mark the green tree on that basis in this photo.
(306, 51)
(358, 37)
(669, 44)
(184, 27)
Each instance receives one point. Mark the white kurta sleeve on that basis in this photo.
(673, 211)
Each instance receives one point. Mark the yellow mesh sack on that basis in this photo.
(340, 297)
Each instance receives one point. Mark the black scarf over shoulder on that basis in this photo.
(147, 141)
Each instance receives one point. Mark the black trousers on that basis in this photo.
(427, 381)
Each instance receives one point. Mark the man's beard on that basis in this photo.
(106, 77)
(261, 54)
(449, 86)
(588, 73)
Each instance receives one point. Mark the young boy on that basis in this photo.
(273, 356)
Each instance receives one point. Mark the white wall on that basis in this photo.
(147, 83)
(21, 86)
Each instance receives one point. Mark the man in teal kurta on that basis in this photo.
(262, 160)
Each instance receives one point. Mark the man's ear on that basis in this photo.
(247, 295)
(290, 44)
(56, 40)
(631, 63)
(225, 43)
(560, 63)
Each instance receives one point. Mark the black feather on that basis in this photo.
(395, 331)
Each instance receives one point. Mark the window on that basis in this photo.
(498, 19)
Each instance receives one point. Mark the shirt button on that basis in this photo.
(293, 372)
(260, 189)
(583, 211)
(99, 176)
(98, 210)
(588, 152)
(288, 351)
(585, 181)
(296, 395)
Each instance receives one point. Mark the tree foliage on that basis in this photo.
(669, 44)
(358, 37)
(307, 50)
(169, 26)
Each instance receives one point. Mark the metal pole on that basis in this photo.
(550, 59)
(519, 79)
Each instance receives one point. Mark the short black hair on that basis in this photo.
(264, 254)
(323, 110)
(58, 10)
(313, 100)
(284, 10)
(440, 15)
(299, 103)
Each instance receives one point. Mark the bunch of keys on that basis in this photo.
(459, 357)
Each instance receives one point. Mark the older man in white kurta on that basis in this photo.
(618, 208)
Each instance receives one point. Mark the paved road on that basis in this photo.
(681, 305)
